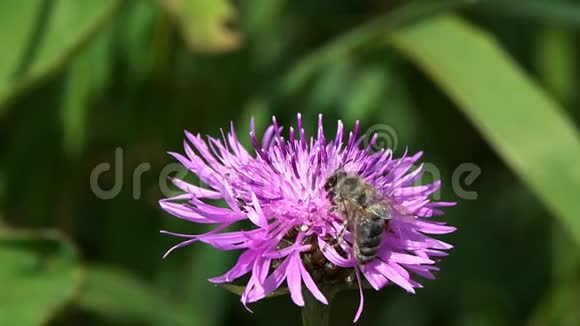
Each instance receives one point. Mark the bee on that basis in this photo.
(366, 212)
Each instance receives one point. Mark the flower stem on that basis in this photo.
(316, 313)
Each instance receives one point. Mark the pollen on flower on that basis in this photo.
(298, 237)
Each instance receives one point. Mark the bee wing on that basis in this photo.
(403, 213)
(381, 211)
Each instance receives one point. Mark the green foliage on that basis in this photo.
(543, 147)
(555, 62)
(559, 308)
(40, 273)
(87, 75)
(204, 23)
(119, 295)
(79, 79)
(42, 35)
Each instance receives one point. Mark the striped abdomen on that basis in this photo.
(368, 235)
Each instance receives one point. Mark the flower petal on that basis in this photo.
(271, 283)
(256, 283)
(434, 228)
(406, 259)
(375, 278)
(242, 267)
(310, 284)
(294, 281)
(333, 256)
(197, 192)
(361, 296)
(392, 274)
(256, 215)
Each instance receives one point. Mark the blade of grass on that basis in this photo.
(555, 62)
(363, 34)
(524, 125)
(542, 11)
(552, 12)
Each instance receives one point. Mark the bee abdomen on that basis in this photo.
(370, 229)
(368, 252)
(371, 242)
(368, 240)
(364, 254)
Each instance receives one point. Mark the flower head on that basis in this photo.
(280, 189)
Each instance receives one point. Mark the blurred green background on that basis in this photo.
(493, 83)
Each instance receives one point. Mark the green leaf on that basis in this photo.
(341, 47)
(262, 22)
(87, 75)
(205, 23)
(331, 87)
(205, 300)
(42, 36)
(555, 12)
(136, 39)
(523, 124)
(2, 189)
(40, 273)
(116, 294)
(365, 94)
(555, 61)
(560, 307)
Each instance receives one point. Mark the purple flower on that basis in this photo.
(280, 189)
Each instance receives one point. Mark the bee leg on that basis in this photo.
(388, 227)
(336, 241)
(340, 236)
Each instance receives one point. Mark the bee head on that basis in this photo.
(349, 186)
(338, 175)
(333, 180)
